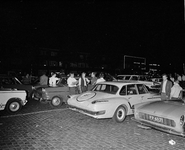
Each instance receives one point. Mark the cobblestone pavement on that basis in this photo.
(64, 129)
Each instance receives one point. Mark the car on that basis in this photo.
(168, 115)
(12, 100)
(56, 96)
(7, 81)
(111, 99)
(140, 78)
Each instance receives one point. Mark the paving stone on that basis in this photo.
(69, 130)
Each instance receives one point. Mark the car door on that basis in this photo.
(143, 92)
(145, 95)
(131, 94)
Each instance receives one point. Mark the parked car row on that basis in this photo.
(116, 100)
(151, 84)
(110, 99)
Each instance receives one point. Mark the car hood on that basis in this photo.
(164, 108)
(92, 95)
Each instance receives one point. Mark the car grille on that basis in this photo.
(159, 120)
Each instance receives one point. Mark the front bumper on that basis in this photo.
(164, 129)
(23, 102)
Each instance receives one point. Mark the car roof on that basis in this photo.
(131, 75)
(120, 82)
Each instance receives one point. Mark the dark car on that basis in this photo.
(12, 82)
(55, 96)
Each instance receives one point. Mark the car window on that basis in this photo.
(134, 78)
(141, 89)
(123, 90)
(127, 77)
(142, 78)
(112, 89)
(120, 77)
(131, 89)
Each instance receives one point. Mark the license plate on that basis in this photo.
(156, 119)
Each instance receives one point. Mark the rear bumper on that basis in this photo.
(94, 114)
(164, 129)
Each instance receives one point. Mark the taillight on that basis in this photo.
(43, 90)
(182, 120)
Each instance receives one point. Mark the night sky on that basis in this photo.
(141, 28)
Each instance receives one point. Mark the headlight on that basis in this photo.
(182, 120)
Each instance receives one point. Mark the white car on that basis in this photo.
(111, 99)
(140, 78)
(12, 100)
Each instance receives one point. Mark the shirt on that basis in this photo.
(53, 81)
(93, 80)
(71, 82)
(85, 81)
(175, 90)
(100, 80)
(43, 80)
(164, 86)
(183, 78)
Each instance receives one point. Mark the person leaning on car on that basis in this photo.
(72, 82)
(175, 90)
(166, 86)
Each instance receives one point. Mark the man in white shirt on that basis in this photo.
(175, 91)
(72, 84)
(101, 78)
(53, 80)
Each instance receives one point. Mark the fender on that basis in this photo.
(14, 98)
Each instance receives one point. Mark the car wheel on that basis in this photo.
(13, 106)
(56, 101)
(120, 114)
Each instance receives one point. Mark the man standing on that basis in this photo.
(53, 80)
(101, 78)
(175, 91)
(94, 78)
(43, 79)
(166, 86)
(83, 81)
(72, 82)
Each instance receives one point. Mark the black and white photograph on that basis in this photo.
(92, 75)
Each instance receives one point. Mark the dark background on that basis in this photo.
(151, 29)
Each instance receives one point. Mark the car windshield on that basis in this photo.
(9, 81)
(107, 88)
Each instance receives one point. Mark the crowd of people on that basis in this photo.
(75, 85)
(171, 87)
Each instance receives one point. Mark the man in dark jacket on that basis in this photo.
(166, 86)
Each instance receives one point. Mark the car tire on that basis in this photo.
(56, 101)
(13, 105)
(120, 114)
